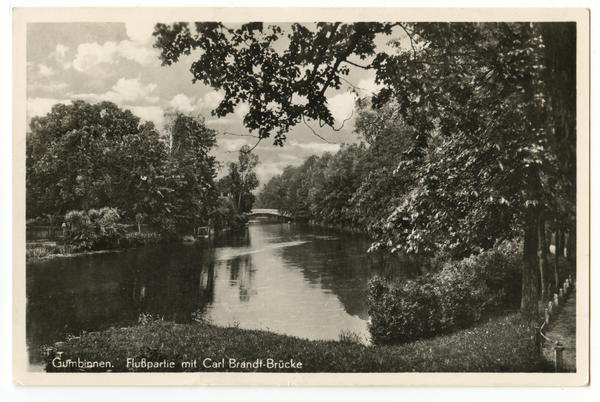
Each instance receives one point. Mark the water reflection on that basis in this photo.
(305, 281)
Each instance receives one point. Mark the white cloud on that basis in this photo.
(37, 86)
(60, 55)
(183, 103)
(211, 100)
(125, 90)
(265, 172)
(61, 51)
(316, 147)
(219, 122)
(241, 110)
(41, 106)
(368, 85)
(149, 113)
(341, 106)
(132, 90)
(45, 70)
(140, 30)
(289, 157)
(90, 55)
(231, 144)
(138, 52)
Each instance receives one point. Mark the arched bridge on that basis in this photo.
(269, 213)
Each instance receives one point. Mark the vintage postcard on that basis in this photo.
(342, 197)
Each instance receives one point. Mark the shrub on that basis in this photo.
(44, 250)
(95, 230)
(454, 297)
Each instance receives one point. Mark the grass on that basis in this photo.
(131, 240)
(44, 250)
(501, 345)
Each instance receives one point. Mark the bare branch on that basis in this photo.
(314, 132)
(343, 122)
(355, 87)
(252, 149)
(241, 135)
(411, 40)
(367, 67)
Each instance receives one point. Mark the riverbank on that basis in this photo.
(52, 249)
(501, 345)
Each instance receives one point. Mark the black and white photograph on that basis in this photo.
(237, 196)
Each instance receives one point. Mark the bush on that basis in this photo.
(94, 230)
(226, 216)
(44, 250)
(455, 297)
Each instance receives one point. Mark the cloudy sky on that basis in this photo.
(116, 62)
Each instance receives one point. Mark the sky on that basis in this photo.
(116, 62)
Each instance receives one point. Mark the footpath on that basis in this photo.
(563, 330)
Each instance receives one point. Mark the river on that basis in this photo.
(300, 280)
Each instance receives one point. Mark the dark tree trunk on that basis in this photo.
(560, 44)
(530, 293)
(541, 257)
(557, 251)
(572, 247)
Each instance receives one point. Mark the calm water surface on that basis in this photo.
(305, 281)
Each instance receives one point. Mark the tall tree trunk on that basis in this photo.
(560, 44)
(529, 293)
(572, 248)
(562, 243)
(557, 251)
(541, 256)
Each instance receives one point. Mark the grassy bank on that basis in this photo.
(52, 249)
(501, 345)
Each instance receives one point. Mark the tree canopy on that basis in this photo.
(241, 180)
(90, 156)
(83, 156)
(488, 107)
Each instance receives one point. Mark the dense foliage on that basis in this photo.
(95, 229)
(489, 111)
(457, 296)
(84, 157)
(321, 189)
(241, 180)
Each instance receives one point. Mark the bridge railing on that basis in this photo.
(268, 211)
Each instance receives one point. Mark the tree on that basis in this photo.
(488, 105)
(185, 193)
(84, 156)
(389, 137)
(281, 90)
(330, 198)
(241, 180)
(90, 156)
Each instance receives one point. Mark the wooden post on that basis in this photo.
(556, 300)
(547, 315)
(550, 305)
(558, 357)
(561, 294)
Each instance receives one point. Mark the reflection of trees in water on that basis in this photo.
(241, 273)
(338, 261)
(238, 238)
(91, 293)
(178, 284)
